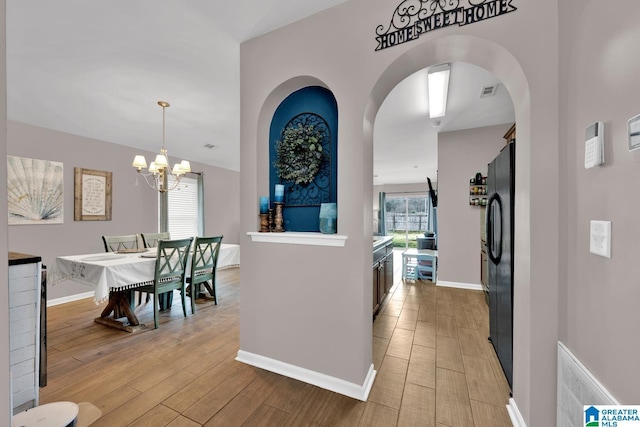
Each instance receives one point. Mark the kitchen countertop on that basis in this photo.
(17, 258)
(379, 241)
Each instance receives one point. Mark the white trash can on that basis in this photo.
(56, 414)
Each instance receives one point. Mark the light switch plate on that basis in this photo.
(600, 238)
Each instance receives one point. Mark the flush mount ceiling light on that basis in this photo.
(159, 168)
(438, 82)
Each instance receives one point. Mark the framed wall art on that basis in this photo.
(92, 195)
(35, 191)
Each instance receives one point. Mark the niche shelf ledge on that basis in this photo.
(299, 238)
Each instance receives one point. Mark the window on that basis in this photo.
(183, 208)
(406, 216)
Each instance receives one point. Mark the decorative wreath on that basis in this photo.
(299, 154)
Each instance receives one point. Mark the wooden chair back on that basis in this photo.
(171, 264)
(118, 243)
(170, 272)
(150, 240)
(203, 265)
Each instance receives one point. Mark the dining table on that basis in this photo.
(114, 276)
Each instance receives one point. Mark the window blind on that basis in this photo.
(183, 208)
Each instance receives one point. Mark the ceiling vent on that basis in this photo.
(488, 91)
(211, 146)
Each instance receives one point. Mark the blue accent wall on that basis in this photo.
(315, 100)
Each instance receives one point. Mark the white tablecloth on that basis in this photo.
(104, 271)
(229, 256)
(107, 271)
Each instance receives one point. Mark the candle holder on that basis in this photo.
(278, 218)
(272, 221)
(264, 223)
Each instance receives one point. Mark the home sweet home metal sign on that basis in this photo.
(412, 18)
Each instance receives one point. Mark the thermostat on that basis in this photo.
(633, 126)
(594, 145)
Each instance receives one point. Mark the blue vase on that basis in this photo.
(328, 218)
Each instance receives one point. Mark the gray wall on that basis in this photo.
(461, 154)
(5, 406)
(283, 301)
(134, 207)
(599, 316)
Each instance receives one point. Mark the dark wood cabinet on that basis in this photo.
(382, 271)
(378, 285)
(388, 271)
(510, 135)
(376, 279)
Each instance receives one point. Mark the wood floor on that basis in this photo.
(435, 367)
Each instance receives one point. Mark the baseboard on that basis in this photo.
(70, 298)
(356, 391)
(459, 285)
(515, 415)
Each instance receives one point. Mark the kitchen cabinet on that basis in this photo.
(382, 271)
(25, 336)
(388, 271)
(510, 136)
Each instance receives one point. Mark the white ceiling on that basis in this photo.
(97, 69)
(405, 139)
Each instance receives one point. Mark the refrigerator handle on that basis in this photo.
(494, 246)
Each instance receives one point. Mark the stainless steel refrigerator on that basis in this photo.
(500, 232)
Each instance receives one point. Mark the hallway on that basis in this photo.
(433, 358)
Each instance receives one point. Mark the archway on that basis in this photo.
(505, 67)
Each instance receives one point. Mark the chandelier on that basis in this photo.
(159, 169)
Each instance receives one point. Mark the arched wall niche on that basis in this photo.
(313, 106)
(269, 107)
(496, 59)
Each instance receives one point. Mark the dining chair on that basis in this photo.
(170, 273)
(203, 267)
(150, 240)
(119, 243)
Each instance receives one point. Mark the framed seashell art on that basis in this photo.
(35, 191)
(92, 195)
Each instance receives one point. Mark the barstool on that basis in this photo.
(410, 271)
(426, 267)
